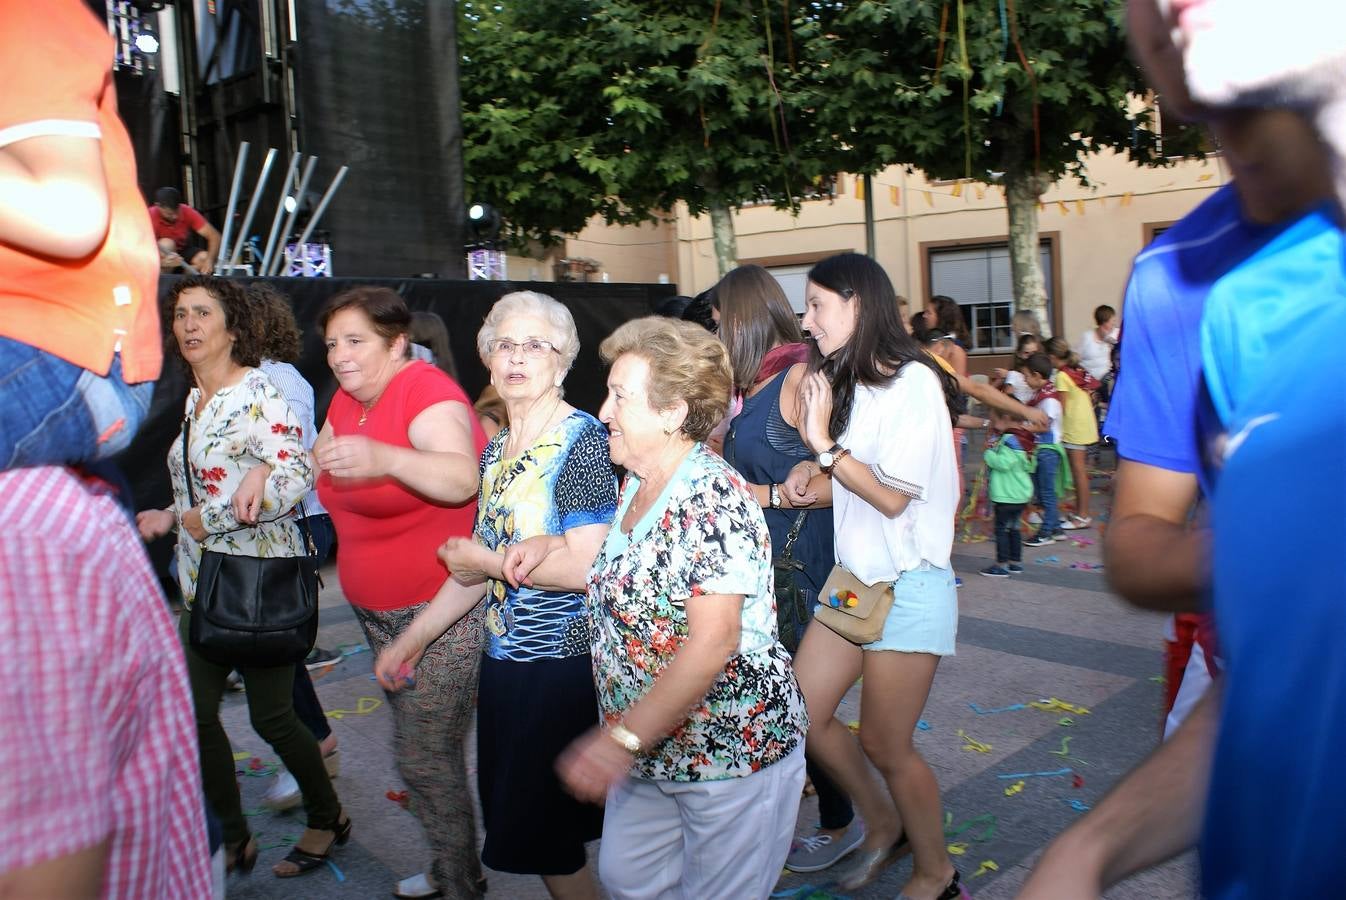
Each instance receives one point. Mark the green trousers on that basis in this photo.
(270, 692)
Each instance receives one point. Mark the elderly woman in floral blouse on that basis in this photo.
(700, 757)
(237, 422)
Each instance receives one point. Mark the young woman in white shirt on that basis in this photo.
(878, 411)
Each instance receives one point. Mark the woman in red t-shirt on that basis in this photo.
(399, 455)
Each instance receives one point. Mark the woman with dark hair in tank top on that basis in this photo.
(767, 353)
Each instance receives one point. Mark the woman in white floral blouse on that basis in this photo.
(239, 422)
(700, 758)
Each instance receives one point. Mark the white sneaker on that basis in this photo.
(1076, 523)
(283, 793)
(417, 887)
(1034, 518)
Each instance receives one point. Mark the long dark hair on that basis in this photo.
(754, 316)
(949, 319)
(879, 347)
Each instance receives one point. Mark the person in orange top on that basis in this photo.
(79, 330)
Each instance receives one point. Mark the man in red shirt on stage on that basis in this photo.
(174, 224)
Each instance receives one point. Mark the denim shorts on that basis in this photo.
(924, 617)
(57, 413)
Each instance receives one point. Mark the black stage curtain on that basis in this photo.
(377, 88)
(598, 310)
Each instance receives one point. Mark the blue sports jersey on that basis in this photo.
(1276, 471)
(1152, 414)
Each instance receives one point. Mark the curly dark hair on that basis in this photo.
(282, 339)
(241, 317)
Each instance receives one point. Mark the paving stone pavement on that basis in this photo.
(1053, 632)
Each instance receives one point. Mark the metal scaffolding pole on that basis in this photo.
(252, 210)
(280, 211)
(233, 199)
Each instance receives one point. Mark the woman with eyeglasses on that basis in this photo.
(546, 476)
(398, 455)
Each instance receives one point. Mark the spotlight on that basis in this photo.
(147, 43)
(289, 203)
(483, 224)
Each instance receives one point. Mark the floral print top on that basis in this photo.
(563, 481)
(243, 425)
(703, 535)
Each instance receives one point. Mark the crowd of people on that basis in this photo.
(653, 613)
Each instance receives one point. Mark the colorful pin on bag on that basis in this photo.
(852, 608)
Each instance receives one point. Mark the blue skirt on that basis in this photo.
(527, 714)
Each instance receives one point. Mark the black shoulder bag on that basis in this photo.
(249, 610)
(791, 611)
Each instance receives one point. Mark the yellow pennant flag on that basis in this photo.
(1065, 210)
(957, 189)
(1126, 198)
(1079, 207)
(895, 195)
(859, 188)
(929, 198)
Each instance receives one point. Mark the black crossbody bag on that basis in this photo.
(250, 610)
(791, 610)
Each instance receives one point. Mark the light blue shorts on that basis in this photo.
(924, 617)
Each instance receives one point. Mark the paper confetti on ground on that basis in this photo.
(999, 709)
(1052, 704)
(957, 849)
(987, 865)
(1049, 774)
(242, 755)
(970, 743)
(1015, 788)
(985, 822)
(363, 707)
(1078, 806)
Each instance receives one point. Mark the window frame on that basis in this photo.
(1055, 302)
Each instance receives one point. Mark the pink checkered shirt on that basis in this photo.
(97, 732)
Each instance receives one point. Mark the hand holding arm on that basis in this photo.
(469, 561)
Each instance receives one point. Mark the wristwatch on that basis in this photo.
(626, 737)
(830, 457)
(773, 496)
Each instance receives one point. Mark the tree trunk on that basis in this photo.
(1022, 192)
(722, 229)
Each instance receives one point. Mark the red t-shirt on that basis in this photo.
(189, 221)
(56, 67)
(387, 534)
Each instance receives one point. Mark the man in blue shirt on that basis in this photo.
(1280, 607)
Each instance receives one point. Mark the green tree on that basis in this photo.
(622, 108)
(997, 91)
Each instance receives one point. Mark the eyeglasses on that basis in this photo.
(532, 347)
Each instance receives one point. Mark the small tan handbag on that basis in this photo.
(852, 608)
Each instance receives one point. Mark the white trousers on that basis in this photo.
(711, 840)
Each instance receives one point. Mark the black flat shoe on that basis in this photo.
(304, 861)
(952, 891)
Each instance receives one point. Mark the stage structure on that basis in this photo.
(371, 85)
(297, 257)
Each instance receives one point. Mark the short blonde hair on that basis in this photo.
(531, 303)
(686, 362)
